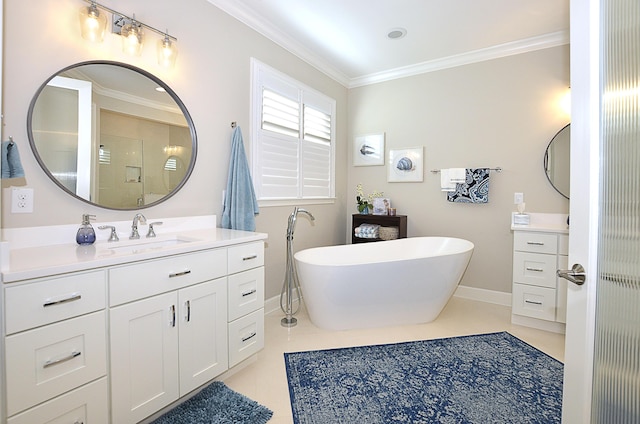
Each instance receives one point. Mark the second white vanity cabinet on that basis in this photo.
(539, 296)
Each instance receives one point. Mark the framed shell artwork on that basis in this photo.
(405, 165)
(368, 150)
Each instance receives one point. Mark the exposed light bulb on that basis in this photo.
(167, 52)
(132, 38)
(92, 23)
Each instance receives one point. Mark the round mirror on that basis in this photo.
(557, 161)
(106, 132)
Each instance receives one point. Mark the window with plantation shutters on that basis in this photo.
(292, 138)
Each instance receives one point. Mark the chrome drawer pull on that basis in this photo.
(534, 269)
(74, 296)
(59, 361)
(248, 258)
(535, 243)
(532, 302)
(178, 274)
(251, 336)
(249, 293)
(173, 315)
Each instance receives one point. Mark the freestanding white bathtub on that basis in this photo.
(394, 282)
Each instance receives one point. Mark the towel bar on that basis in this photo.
(497, 169)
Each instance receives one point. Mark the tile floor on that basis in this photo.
(264, 380)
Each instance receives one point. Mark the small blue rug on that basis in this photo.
(217, 404)
(488, 378)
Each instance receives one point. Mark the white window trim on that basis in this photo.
(257, 68)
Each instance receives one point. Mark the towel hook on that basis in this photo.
(234, 124)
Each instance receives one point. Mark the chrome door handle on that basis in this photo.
(576, 274)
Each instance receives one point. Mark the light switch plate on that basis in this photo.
(518, 198)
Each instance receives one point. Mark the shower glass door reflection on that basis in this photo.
(121, 172)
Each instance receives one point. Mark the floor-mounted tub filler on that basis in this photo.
(395, 282)
(291, 283)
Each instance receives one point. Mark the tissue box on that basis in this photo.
(521, 219)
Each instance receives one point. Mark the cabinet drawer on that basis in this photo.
(246, 336)
(535, 302)
(132, 282)
(46, 301)
(88, 404)
(535, 269)
(48, 361)
(246, 292)
(246, 256)
(526, 241)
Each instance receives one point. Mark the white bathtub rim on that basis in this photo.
(459, 246)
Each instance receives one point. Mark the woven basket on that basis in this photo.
(388, 233)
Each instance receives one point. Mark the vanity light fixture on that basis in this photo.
(132, 37)
(131, 30)
(92, 23)
(167, 52)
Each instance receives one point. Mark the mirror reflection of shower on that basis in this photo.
(291, 276)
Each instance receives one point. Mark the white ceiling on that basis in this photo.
(347, 39)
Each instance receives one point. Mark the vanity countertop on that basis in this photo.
(543, 222)
(27, 262)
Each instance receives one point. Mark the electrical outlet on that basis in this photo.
(21, 200)
(518, 198)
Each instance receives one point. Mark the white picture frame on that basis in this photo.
(381, 205)
(405, 165)
(368, 150)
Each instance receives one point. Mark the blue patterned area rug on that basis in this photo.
(487, 378)
(217, 404)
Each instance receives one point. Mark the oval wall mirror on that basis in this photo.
(557, 161)
(105, 131)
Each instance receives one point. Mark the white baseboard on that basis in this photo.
(552, 326)
(271, 304)
(483, 295)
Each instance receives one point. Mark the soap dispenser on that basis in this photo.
(86, 234)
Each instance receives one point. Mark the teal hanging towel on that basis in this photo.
(11, 164)
(240, 203)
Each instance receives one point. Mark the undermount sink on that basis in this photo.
(146, 245)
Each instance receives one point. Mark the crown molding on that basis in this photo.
(245, 15)
(275, 34)
(495, 52)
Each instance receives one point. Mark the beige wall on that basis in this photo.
(498, 113)
(212, 79)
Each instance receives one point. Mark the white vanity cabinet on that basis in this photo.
(165, 345)
(539, 296)
(115, 334)
(55, 350)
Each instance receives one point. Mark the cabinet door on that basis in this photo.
(203, 333)
(144, 357)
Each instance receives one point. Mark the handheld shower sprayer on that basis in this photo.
(291, 275)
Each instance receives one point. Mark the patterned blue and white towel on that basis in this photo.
(475, 189)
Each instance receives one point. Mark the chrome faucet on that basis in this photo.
(292, 220)
(138, 218)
